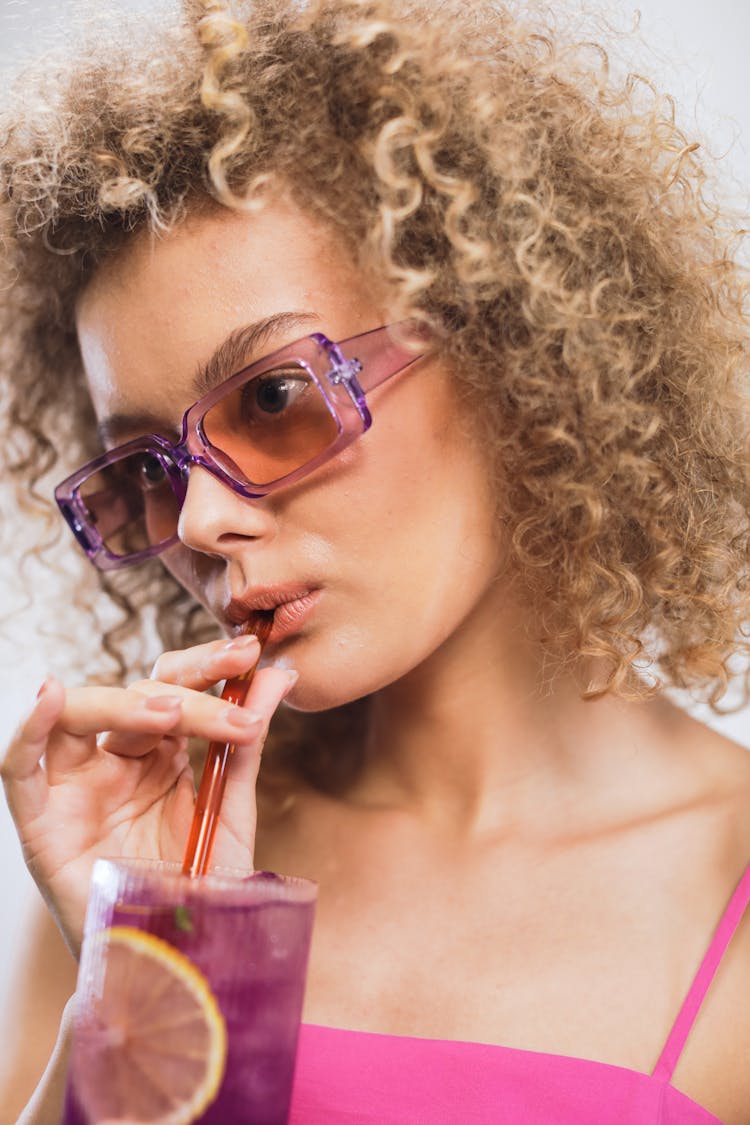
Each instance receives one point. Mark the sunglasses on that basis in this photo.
(262, 429)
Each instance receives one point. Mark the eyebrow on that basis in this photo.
(236, 351)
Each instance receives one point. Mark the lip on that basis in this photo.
(291, 606)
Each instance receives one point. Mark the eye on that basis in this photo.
(272, 394)
(151, 474)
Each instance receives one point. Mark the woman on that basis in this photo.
(523, 848)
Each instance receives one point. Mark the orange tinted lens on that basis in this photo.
(272, 425)
(132, 504)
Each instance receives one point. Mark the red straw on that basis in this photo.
(214, 777)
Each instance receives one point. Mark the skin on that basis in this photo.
(569, 860)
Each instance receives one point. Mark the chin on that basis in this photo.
(312, 698)
(340, 668)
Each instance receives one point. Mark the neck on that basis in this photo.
(481, 738)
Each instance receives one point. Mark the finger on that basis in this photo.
(21, 770)
(269, 688)
(126, 744)
(72, 747)
(205, 665)
(89, 710)
(200, 716)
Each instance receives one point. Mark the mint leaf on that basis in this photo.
(182, 919)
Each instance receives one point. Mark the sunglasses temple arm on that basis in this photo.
(380, 355)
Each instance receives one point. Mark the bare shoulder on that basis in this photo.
(722, 771)
(713, 1068)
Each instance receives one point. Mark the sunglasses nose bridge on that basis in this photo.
(187, 452)
(184, 458)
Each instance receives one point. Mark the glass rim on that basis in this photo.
(268, 886)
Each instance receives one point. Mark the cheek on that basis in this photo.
(417, 551)
(432, 503)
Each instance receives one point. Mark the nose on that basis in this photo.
(215, 520)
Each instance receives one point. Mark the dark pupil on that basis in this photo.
(272, 395)
(152, 469)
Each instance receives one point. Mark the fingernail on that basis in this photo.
(162, 703)
(238, 717)
(292, 678)
(245, 641)
(43, 688)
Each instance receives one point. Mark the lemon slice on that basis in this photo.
(150, 1043)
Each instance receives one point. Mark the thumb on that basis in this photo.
(239, 808)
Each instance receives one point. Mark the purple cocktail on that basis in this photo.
(189, 997)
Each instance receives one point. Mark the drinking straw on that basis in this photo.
(214, 776)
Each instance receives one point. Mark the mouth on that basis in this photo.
(290, 607)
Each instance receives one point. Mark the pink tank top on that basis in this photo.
(362, 1078)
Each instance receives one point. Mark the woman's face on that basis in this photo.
(381, 555)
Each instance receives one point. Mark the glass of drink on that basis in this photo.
(189, 996)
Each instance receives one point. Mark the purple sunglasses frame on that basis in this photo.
(343, 378)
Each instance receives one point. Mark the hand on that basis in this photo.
(99, 771)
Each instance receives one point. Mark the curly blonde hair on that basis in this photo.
(551, 223)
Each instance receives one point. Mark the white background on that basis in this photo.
(698, 53)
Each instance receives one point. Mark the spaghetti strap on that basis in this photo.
(729, 922)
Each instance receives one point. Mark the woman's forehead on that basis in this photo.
(226, 258)
(159, 308)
